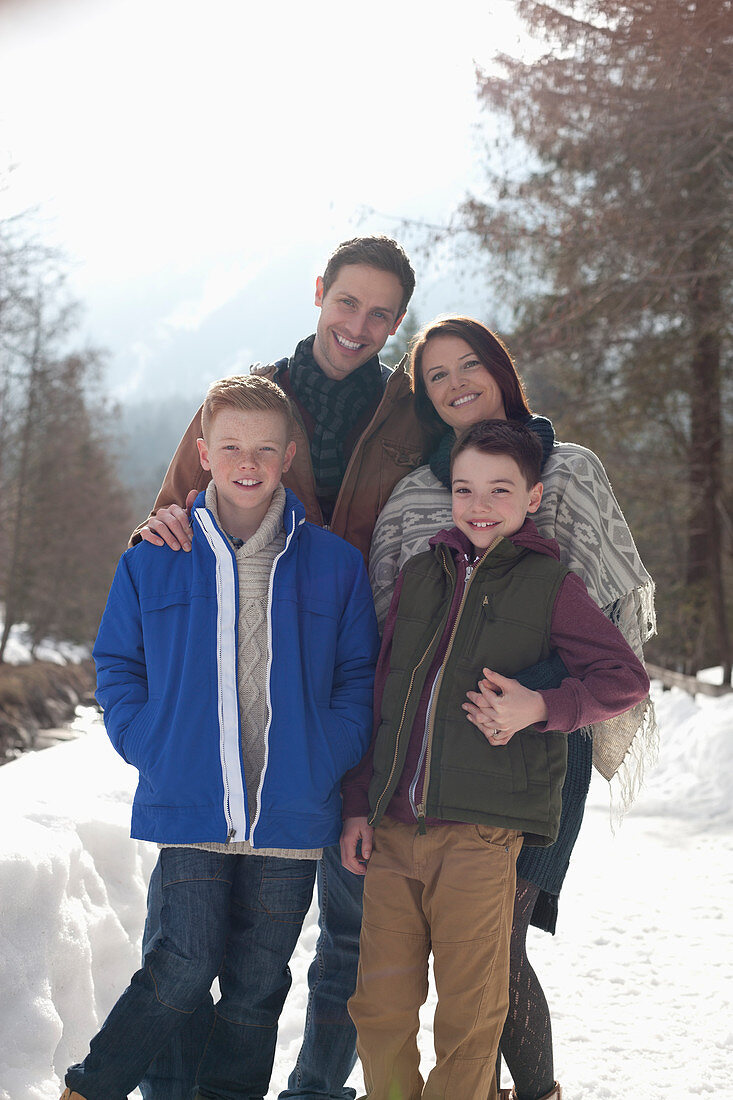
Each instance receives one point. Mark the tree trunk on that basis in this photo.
(14, 581)
(705, 541)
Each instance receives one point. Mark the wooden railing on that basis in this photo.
(690, 684)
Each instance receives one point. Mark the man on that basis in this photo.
(356, 436)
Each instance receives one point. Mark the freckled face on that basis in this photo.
(247, 454)
(490, 497)
(458, 383)
(359, 311)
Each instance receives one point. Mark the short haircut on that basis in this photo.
(380, 252)
(489, 349)
(503, 437)
(246, 393)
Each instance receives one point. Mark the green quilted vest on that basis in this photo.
(503, 624)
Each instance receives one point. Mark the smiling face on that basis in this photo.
(247, 454)
(458, 383)
(359, 311)
(491, 497)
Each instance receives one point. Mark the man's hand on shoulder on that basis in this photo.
(170, 526)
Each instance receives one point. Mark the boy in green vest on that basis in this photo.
(456, 779)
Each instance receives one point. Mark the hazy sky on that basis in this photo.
(198, 159)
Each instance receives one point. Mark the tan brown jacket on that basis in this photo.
(392, 445)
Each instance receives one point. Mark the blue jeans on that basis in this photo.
(235, 916)
(328, 1053)
(172, 1073)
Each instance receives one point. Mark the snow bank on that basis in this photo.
(638, 977)
(72, 905)
(694, 776)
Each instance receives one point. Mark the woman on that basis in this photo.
(462, 373)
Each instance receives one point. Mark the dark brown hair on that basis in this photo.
(380, 252)
(489, 349)
(503, 437)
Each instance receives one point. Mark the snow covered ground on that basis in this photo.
(639, 976)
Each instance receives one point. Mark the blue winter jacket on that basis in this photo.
(166, 657)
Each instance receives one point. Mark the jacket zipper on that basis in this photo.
(234, 793)
(428, 743)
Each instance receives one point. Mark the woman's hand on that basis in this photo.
(501, 706)
(170, 526)
(353, 857)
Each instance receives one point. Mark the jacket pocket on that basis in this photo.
(341, 752)
(397, 459)
(136, 736)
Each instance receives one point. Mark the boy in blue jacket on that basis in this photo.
(238, 680)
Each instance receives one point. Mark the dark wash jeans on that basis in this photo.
(328, 1053)
(238, 917)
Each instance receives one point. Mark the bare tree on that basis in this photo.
(64, 514)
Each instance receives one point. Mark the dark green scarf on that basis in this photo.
(439, 460)
(336, 407)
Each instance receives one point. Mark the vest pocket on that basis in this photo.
(473, 628)
(473, 768)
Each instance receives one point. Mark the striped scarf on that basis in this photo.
(336, 407)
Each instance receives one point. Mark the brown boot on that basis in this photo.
(67, 1094)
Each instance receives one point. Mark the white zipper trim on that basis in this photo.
(227, 688)
(268, 683)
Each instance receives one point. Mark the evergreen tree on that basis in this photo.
(398, 345)
(614, 245)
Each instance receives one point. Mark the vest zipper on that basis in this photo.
(402, 722)
(421, 758)
(420, 808)
(402, 718)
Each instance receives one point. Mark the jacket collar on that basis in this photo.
(526, 538)
(293, 516)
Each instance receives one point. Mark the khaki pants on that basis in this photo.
(451, 891)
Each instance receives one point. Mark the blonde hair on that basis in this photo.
(246, 393)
